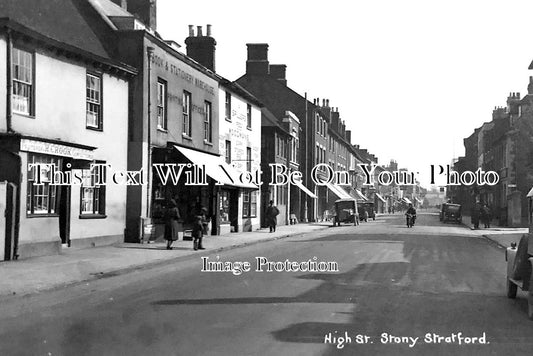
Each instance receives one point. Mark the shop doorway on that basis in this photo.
(234, 209)
(63, 199)
(8, 201)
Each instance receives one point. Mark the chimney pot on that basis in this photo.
(208, 30)
(201, 49)
(327, 103)
(323, 102)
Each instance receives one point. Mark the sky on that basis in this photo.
(410, 78)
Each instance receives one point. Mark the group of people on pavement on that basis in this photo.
(481, 212)
(174, 225)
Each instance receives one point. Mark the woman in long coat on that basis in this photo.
(271, 214)
(172, 223)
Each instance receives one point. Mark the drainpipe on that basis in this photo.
(306, 137)
(288, 212)
(149, 54)
(9, 81)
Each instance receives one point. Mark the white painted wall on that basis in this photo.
(60, 115)
(3, 88)
(241, 137)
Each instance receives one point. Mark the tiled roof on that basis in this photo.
(60, 20)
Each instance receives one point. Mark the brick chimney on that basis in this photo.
(278, 71)
(122, 3)
(145, 10)
(513, 101)
(257, 62)
(201, 48)
(349, 136)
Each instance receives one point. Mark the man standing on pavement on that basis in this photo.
(486, 216)
(271, 214)
(476, 212)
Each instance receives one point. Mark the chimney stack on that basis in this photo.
(201, 48)
(257, 62)
(145, 10)
(278, 71)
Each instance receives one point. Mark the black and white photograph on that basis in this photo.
(266, 177)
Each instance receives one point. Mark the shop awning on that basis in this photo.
(380, 198)
(215, 168)
(338, 191)
(419, 200)
(359, 195)
(407, 200)
(530, 194)
(300, 185)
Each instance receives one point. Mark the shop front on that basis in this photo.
(196, 180)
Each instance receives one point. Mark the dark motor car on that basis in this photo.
(450, 212)
(345, 212)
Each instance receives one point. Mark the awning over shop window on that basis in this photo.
(215, 168)
(380, 198)
(359, 195)
(338, 191)
(530, 194)
(419, 200)
(407, 200)
(300, 185)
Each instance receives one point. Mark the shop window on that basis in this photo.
(22, 97)
(92, 195)
(224, 206)
(249, 208)
(41, 199)
(161, 104)
(208, 122)
(187, 124)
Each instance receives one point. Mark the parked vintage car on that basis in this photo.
(519, 265)
(346, 212)
(369, 208)
(451, 212)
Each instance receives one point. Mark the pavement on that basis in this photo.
(74, 266)
(502, 236)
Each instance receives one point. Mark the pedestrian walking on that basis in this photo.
(475, 215)
(205, 221)
(197, 233)
(486, 216)
(271, 216)
(173, 224)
